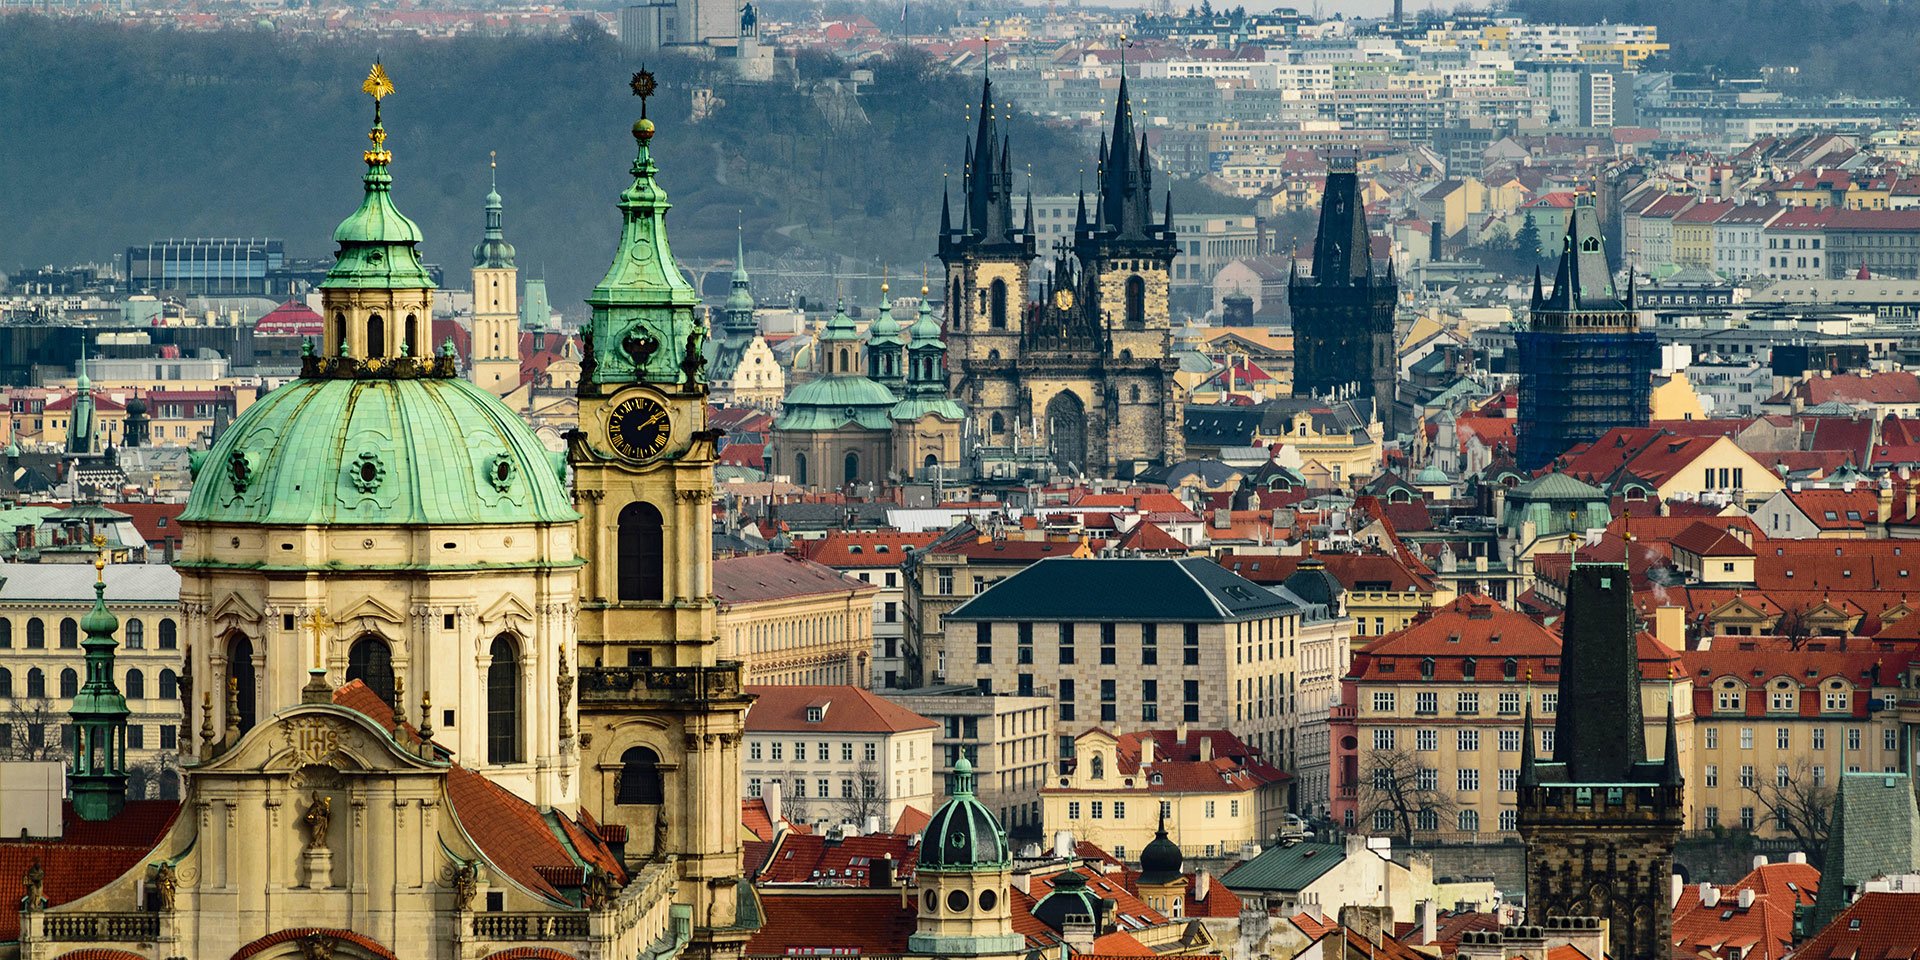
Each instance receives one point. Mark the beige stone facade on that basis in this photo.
(793, 621)
(1008, 739)
(1215, 795)
(496, 329)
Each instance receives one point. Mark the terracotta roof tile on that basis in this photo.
(778, 576)
(860, 922)
(1878, 926)
(883, 548)
(88, 855)
(516, 839)
(844, 709)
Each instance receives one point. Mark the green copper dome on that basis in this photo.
(884, 328)
(379, 451)
(828, 403)
(963, 836)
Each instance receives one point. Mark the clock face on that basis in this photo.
(639, 428)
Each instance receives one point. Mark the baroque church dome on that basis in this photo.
(963, 835)
(379, 451)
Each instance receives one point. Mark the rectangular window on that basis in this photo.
(1426, 702)
(1210, 809)
(1509, 741)
(1746, 776)
(1746, 818)
(1426, 740)
(1783, 737)
(870, 752)
(136, 736)
(826, 788)
(1468, 704)
(1550, 702)
(1746, 738)
(1149, 644)
(1383, 738)
(943, 583)
(846, 788)
(1837, 701)
(1890, 739)
(1190, 645)
(1468, 740)
(778, 749)
(1099, 809)
(1712, 771)
(1710, 817)
(983, 642)
(1469, 778)
(1426, 778)
(1233, 808)
(1510, 703)
(753, 786)
(1780, 775)
(823, 751)
(1819, 738)
(1383, 701)
(1108, 648)
(167, 733)
(1150, 700)
(1073, 810)
(1108, 709)
(1712, 738)
(1509, 780)
(846, 751)
(1119, 809)
(753, 750)
(1066, 643)
(1782, 700)
(1853, 738)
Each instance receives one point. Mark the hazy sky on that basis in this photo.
(1352, 8)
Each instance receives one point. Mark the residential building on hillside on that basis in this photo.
(1434, 715)
(878, 558)
(839, 754)
(790, 620)
(43, 665)
(1008, 739)
(1211, 794)
(1138, 641)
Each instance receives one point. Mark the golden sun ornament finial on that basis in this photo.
(100, 562)
(377, 85)
(643, 86)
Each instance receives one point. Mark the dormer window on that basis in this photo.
(815, 714)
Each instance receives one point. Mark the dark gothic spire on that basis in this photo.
(1583, 281)
(989, 185)
(1598, 732)
(1125, 204)
(1343, 251)
(1529, 777)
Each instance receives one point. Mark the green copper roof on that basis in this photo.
(379, 451)
(493, 252)
(643, 325)
(740, 298)
(98, 774)
(963, 835)
(1556, 486)
(926, 330)
(841, 327)
(378, 243)
(913, 408)
(828, 403)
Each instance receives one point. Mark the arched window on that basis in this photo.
(1133, 394)
(36, 684)
(336, 333)
(241, 678)
(169, 685)
(997, 424)
(409, 347)
(6, 633)
(642, 571)
(852, 472)
(376, 336)
(843, 362)
(503, 702)
(69, 634)
(931, 464)
(800, 469)
(135, 634)
(6, 682)
(1426, 668)
(1136, 301)
(370, 661)
(997, 305)
(36, 633)
(169, 634)
(136, 685)
(954, 305)
(993, 356)
(69, 683)
(639, 778)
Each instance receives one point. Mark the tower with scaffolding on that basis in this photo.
(1585, 365)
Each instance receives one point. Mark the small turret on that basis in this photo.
(98, 773)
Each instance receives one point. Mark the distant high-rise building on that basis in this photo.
(1343, 314)
(1585, 365)
(1599, 819)
(224, 266)
(496, 308)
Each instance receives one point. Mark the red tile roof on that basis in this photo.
(1757, 662)
(882, 548)
(912, 820)
(1147, 537)
(1878, 926)
(1355, 571)
(818, 860)
(797, 923)
(1148, 502)
(1838, 509)
(1855, 389)
(765, 577)
(290, 319)
(1708, 540)
(517, 840)
(86, 857)
(844, 709)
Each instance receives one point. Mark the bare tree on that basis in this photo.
(868, 798)
(1793, 627)
(1393, 782)
(1798, 806)
(30, 730)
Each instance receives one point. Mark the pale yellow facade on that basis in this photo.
(1121, 812)
(835, 777)
(813, 638)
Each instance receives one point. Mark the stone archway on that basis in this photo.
(1067, 431)
(291, 942)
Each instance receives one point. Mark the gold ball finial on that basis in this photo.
(643, 130)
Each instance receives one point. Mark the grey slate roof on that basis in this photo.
(1128, 589)
(1222, 425)
(1285, 868)
(73, 583)
(1875, 833)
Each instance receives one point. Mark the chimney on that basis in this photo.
(1365, 921)
(1063, 844)
(1678, 887)
(1670, 627)
(1709, 894)
(1222, 518)
(1796, 857)
(770, 795)
(1180, 733)
(1206, 749)
(1023, 882)
(1746, 898)
(1759, 860)
(1146, 751)
(1202, 885)
(880, 873)
(872, 825)
(1429, 923)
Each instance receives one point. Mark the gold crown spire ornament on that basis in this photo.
(100, 562)
(379, 87)
(643, 86)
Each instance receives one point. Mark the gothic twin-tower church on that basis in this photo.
(1082, 356)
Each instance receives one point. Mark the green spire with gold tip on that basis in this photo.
(98, 772)
(643, 324)
(378, 243)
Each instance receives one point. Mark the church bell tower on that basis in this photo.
(661, 712)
